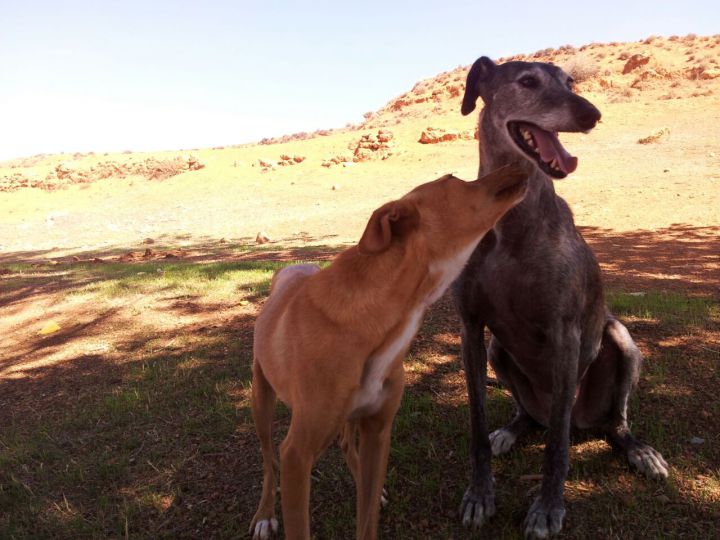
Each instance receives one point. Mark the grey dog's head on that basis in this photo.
(529, 103)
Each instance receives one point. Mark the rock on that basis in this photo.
(697, 440)
(655, 137)
(372, 146)
(148, 241)
(267, 163)
(436, 135)
(634, 62)
(335, 187)
(663, 499)
(384, 135)
(262, 238)
(298, 159)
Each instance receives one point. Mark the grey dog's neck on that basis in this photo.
(493, 156)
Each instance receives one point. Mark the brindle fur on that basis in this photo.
(535, 283)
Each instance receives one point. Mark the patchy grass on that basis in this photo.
(154, 439)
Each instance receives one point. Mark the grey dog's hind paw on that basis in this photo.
(542, 522)
(476, 507)
(648, 461)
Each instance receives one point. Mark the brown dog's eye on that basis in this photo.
(528, 81)
(571, 83)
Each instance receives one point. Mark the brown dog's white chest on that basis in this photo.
(371, 395)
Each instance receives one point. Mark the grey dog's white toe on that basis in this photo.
(265, 529)
(648, 461)
(501, 440)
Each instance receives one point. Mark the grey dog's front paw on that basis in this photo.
(543, 520)
(475, 507)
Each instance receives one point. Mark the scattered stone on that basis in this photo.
(335, 187)
(655, 137)
(373, 146)
(697, 440)
(68, 173)
(663, 499)
(335, 160)
(634, 62)
(262, 238)
(436, 135)
(267, 163)
(148, 241)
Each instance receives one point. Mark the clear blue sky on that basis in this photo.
(107, 75)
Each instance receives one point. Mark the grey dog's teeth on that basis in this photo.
(554, 163)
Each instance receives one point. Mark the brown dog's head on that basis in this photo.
(446, 213)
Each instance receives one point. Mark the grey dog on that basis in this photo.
(535, 283)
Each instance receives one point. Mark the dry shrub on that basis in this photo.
(581, 68)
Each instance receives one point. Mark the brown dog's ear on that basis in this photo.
(391, 220)
(480, 73)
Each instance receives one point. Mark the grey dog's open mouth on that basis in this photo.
(544, 148)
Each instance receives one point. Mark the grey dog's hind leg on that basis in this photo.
(604, 395)
(647, 460)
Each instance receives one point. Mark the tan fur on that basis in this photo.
(330, 343)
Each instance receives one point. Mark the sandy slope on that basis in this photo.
(620, 184)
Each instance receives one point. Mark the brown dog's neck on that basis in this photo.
(370, 289)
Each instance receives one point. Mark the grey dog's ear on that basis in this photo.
(476, 85)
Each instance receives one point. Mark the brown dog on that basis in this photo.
(330, 343)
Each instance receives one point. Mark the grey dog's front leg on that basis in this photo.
(479, 500)
(545, 517)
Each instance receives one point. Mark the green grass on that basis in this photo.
(162, 444)
(668, 307)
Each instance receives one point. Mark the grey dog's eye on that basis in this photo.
(528, 81)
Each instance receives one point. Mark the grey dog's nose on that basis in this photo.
(588, 116)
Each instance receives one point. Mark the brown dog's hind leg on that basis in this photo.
(263, 524)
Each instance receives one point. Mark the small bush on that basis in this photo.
(581, 68)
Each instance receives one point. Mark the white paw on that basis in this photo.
(475, 509)
(501, 440)
(543, 522)
(648, 461)
(384, 499)
(265, 529)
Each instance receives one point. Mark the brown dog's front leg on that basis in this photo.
(375, 433)
(295, 467)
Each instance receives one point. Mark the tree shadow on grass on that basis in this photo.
(154, 437)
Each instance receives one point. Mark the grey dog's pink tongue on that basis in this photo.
(549, 147)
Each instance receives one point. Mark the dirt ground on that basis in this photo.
(73, 248)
